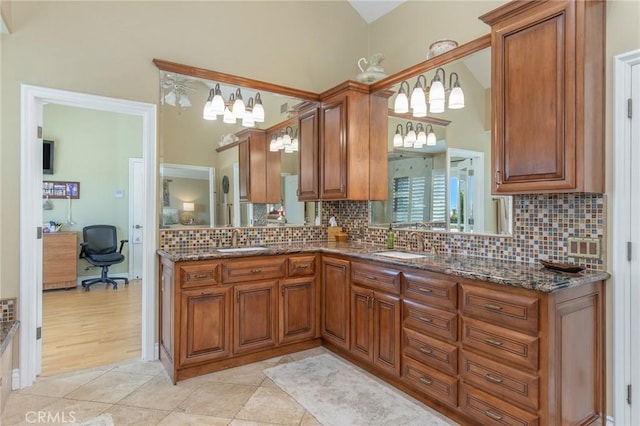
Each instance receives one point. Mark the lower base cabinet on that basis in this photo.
(479, 352)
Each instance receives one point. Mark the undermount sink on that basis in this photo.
(400, 254)
(240, 249)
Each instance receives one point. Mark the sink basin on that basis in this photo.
(240, 249)
(400, 255)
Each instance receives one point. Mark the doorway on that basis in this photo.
(626, 237)
(33, 99)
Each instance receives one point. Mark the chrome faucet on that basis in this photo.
(419, 239)
(234, 238)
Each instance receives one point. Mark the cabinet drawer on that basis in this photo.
(431, 321)
(431, 289)
(511, 310)
(439, 355)
(499, 380)
(495, 341)
(488, 410)
(440, 386)
(376, 277)
(199, 274)
(302, 265)
(254, 269)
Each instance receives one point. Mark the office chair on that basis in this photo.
(99, 249)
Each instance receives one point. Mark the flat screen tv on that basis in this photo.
(47, 157)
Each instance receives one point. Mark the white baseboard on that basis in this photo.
(610, 421)
(15, 379)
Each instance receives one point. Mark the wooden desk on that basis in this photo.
(59, 260)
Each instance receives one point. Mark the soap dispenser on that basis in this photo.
(390, 237)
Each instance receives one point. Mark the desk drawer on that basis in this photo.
(488, 410)
(199, 274)
(512, 346)
(430, 321)
(431, 289)
(440, 386)
(500, 381)
(254, 269)
(439, 355)
(376, 277)
(510, 310)
(302, 266)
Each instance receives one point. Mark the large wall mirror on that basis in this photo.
(440, 180)
(199, 157)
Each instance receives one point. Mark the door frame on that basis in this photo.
(621, 215)
(133, 183)
(32, 100)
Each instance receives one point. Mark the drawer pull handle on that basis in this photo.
(424, 319)
(199, 276)
(492, 415)
(425, 380)
(493, 307)
(493, 342)
(425, 351)
(303, 266)
(424, 290)
(372, 278)
(206, 292)
(492, 379)
(256, 271)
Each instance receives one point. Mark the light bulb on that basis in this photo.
(456, 98)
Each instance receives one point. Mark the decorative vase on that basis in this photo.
(373, 70)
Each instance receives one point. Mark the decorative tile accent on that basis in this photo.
(8, 309)
(542, 224)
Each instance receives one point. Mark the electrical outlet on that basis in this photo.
(584, 247)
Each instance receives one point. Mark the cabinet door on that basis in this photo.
(297, 309)
(308, 156)
(255, 316)
(386, 330)
(166, 310)
(333, 167)
(535, 100)
(204, 324)
(335, 301)
(362, 322)
(244, 178)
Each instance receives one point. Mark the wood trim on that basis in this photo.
(435, 62)
(349, 85)
(234, 80)
(228, 146)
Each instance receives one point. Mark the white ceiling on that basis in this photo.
(371, 10)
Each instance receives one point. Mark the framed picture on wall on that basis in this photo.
(60, 189)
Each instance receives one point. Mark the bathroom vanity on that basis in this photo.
(483, 341)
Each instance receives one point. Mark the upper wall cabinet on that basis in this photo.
(350, 154)
(258, 183)
(548, 96)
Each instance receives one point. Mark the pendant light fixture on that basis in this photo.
(418, 100)
(398, 137)
(207, 111)
(238, 105)
(431, 136)
(401, 104)
(217, 103)
(258, 110)
(456, 97)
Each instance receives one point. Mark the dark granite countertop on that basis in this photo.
(531, 276)
(7, 330)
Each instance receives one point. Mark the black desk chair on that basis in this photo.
(99, 249)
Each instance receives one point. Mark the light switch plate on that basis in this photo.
(588, 248)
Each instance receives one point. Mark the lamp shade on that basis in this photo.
(456, 98)
(401, 104)
(188, 207)
(228, 116)
(436, 107)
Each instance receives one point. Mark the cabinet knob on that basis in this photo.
(256, 271)
(424, 290)
(372, 278)
(497, 178)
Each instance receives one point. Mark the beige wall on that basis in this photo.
(93, 148)
(106, 48)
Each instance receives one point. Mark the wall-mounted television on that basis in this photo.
(47, 157)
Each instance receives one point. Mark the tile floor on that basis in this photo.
(140, 393)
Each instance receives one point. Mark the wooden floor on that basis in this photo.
(86, 329)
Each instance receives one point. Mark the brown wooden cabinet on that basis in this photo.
(204, 324)
(298, 310)
(59, 260)
(335, 301)
(259, 179)
(346, 146)
(255, 316)
(548, 96)
(308, 185)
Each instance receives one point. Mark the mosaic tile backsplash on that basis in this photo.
(542, 224)
(8, 309)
